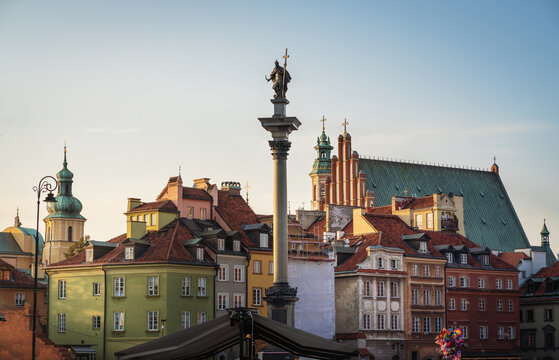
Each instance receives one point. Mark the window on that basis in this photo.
(61, 322)
(189, 212)
(529, 315)
(500, 332)
(485, 259)
(153, 320)
(201, 286)
(367, 322)
(419, 221)
(89, 255)
(548, 314)
(483, 332)
(438, 325)
(394, 264)
(222, 301)
(200, 254)
(463, 258)
(256, 296)
(20, 299)
(202, 213)
(202, 317)
(464, 331)
(429, 221)
(510, 306)
(394, 293)
(451, 304)
(185, 320)
(449, 257)
(4, 274)
(118, 321)
(426, 325)
(185, 286)
(152, 222)
(257, 267)
(423, 247)
(414, 270)
(367, 288)
(395, 323)
(264, 240)
(481, 283)
(271, 268)
(499, 284)
(451, 281)
(438, 271)
(70, 233)
(512, 332)
(238, 300)
(236, 245)
(427, 297)
(381, 322)
(521, 315)
(509, 284)
(129, 253)
(223, 274)
(463, 304)
(499, 305)
(96, 289)
(438, 298)
(415, 324)
(153, 285)
(380, 289)
(414, 297)
(62, 289)
(426, 270)
(464, 281)
(96, 322)
(549, 339)
(220, 244)
(481, 304)
(380, 263)
(118, 289)
(238, 276)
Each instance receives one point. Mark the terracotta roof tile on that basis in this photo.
(420, 203)
(318, 227)
(195, 194)
(236, 213)
(387, 210)
(18, 279)
(164, 205)
(513, 257)
(548, 271)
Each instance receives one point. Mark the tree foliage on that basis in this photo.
(76, 247)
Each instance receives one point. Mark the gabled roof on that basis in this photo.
(195, 194)
(420, 203)
(236, 213)
(18, 279)
(513, 257)
(164, 205)
(546, 272)
(489, 216)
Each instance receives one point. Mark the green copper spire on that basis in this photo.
(322, 163)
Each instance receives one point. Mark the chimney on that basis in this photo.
(232, 187)
(133, 203)
(202, 183)
(369, 200)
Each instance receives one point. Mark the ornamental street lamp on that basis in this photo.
(44, 186)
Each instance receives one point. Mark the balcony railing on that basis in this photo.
(449, 224)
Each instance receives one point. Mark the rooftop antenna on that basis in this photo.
(179, 170)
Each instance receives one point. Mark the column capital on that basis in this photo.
(280, 149)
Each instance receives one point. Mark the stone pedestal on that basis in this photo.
(280, 297)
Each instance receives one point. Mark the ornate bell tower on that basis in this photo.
(322, 171)
(63, 224)
(544, 235)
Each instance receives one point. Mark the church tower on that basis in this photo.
(63, 224)
(321, 171)
(544, 235)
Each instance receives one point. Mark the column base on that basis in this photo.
(281, 300)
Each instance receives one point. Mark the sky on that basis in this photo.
(139, 88)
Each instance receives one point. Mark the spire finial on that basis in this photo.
(345, 124)
(65, 162)
(494, 159)
(323, 122)
(17, 223)
(247, 187)
(179, 170)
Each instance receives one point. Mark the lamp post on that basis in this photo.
(44, 186)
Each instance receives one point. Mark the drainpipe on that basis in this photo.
(104, 308)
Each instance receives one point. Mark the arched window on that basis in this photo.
(69, 233)
(323, 155)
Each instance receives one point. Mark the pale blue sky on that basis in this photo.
(138, 88)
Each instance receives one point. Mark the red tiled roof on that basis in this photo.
(167, 245)
(195, 194)
(236, 213)
(18, 279)
(387, 210)
(420, 203)
(348, 229)
(361, 253)
(549, 271)
(318, 227)
(513, 257)
(164, 205)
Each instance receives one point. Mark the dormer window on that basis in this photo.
(203, 214)
(129, 253)
(423, 247)
(380, 263)
(220, 244)
(394, 264)
(463, 258)
(236, 245)
(264, 240)
(89, 255)
(449, 257)
(189, 212)
(200, 254)
(485, 259)
(4, 274)
(419, 221)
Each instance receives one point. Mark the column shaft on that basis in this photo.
(280, 221)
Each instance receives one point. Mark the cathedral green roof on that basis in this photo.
(489, 216)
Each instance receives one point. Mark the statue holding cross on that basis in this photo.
(280, 77)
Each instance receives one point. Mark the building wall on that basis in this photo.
(347, 303)
(263, 280)
(56, 238)
(229, 286)
(536, 327)
(8, 298)
(315, 311)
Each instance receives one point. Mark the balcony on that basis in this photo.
(449, 224)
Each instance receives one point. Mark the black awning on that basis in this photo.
(212, 337)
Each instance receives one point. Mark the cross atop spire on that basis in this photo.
(323, 122)
(345, 124)
(179, 170)
(247, 187)
(65, 162)
(494, 159)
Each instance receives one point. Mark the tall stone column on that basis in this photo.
(280, 296)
